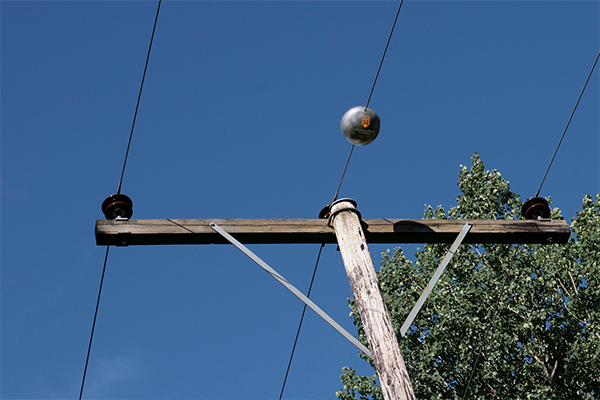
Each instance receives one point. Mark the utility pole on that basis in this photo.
(345, 226)
(389, 364)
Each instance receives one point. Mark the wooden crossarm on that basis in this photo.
(271, 231)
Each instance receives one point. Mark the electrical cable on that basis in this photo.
(383, 56)
(93, 324)
(139, 97)
(118, 192)
(568, 123)
(485, 336)
(371, 92)
(343, 173)
(301, 320)
(340, 185)
(335, 198)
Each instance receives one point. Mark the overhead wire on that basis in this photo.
(371, 92)
(568, 123)
(486, 332)
(482, 347)
(127, 155)
(336, 196)
(300, 324)
(139, 97)
(343, 174)
(87, 359)
(484, 340)
(384, 52)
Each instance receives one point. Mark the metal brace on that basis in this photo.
(438, 272)
(291, 288)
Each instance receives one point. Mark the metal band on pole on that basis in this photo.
(291, 288)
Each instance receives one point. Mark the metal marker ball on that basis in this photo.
(360, 126)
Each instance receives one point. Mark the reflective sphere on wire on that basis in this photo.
(360, 126)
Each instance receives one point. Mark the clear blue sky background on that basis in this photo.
(240, 119)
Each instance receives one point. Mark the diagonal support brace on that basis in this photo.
(291, 288)
(436, 276)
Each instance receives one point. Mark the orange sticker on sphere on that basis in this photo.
(366, 121)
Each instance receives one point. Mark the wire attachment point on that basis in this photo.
(536, 208)
(117, 206)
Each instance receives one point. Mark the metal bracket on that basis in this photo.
(291, 288)
(124, 237)
(332, 215)
(438, 272)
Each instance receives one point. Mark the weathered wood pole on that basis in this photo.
(389, 364)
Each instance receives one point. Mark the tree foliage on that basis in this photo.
(527, 316)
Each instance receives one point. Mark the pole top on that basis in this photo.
(342, 205)
(342, 201)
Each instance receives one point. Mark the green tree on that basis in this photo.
(532, 311)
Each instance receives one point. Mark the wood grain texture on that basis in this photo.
(249, 231)
(389, 364)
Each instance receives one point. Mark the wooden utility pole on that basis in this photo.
(389, 364)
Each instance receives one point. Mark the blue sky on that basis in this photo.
(239, 118)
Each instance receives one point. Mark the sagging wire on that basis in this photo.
(383, 56)
(139, 97)
(337, 192)
(300, 324)
(118, 192)
(87, 359)
(568, 123)
(343, 174)
(492, 316)
(371, 92)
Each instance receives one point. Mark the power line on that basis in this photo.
(343, 173)
(139, 97)
(338, 190)
(568, 123)
(383, 56)
(371, 92)
(93, 324)
(118, 192)
(335, 198)
(301, 320)
(485, 334)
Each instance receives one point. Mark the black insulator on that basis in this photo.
(536, 207)
(117, 205)
(324, 213)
